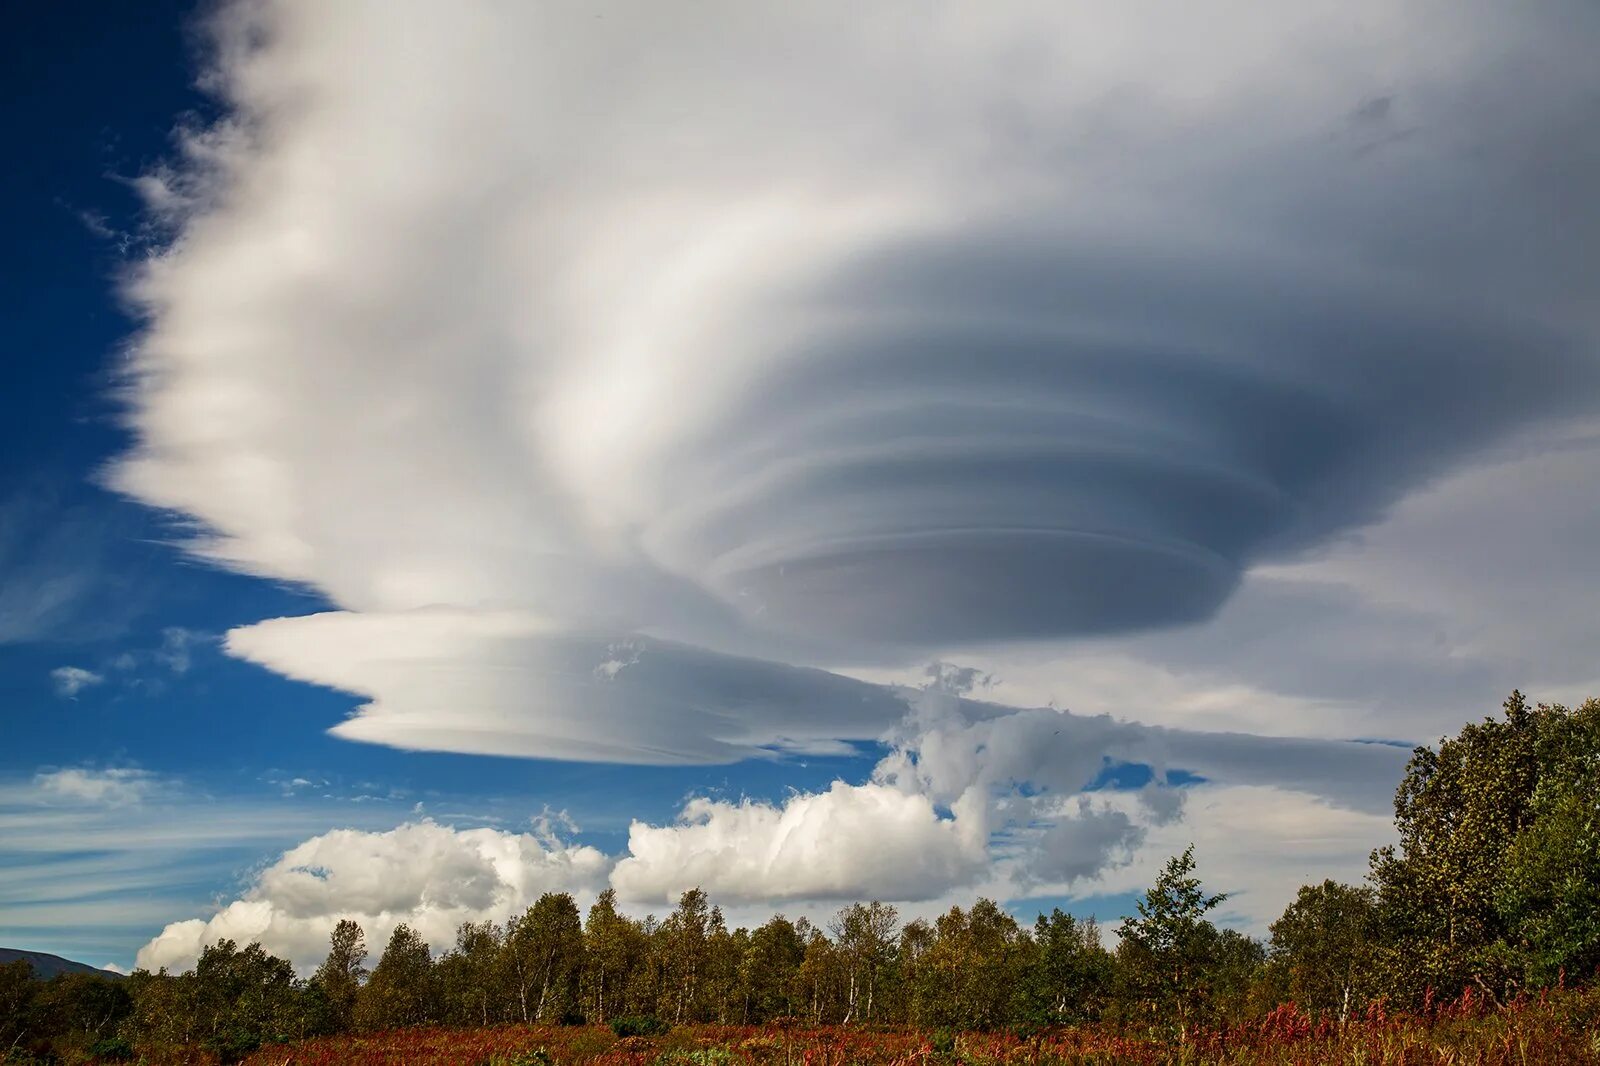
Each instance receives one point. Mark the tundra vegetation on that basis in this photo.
(1476, 938)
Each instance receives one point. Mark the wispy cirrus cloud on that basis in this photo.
(110, 787)
(71, 680)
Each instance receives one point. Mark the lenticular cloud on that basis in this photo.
(565, 352)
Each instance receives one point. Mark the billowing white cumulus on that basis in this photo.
(432, 877)
(850, 842)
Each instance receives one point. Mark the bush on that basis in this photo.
(233, 1045)
(531, 1057)
(639, 1025)
(112, 1049)
(709, 1056)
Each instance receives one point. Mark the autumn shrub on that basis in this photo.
(537, 1056)
(639, 1025)
(708, 1056)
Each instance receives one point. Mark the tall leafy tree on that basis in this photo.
(720, 997)
(1321, 955)
(340, 976)
(1070, 973)
(469, 976)
(767, 972)
(1489, 885)
(1164, 950)
(92, 1007)
(613, 948)
(973, 967)
(817, 983)
(17, 991)
(865, 936)
(685, 933)
(1549, 894)
(402, 990)
(544, 955)
(915, 962)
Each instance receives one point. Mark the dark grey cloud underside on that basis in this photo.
(1003, 436)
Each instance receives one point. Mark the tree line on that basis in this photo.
(1493, 885)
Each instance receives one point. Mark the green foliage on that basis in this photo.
(769, 968)
(614, 948)
(1069, 976)
(112, 1049)
(711, 1056)
(17, 992)
(339, 978)
(402, 989)
(967, 967)
(543, 951)
(530, 1057)
(1322, 949)
(638, 1025)
(864, 934)
(1549, 893)
(1168, 952)
(1492, 885)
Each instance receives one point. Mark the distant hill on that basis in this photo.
(46, 966)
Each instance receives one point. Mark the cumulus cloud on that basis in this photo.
(976, 796)
(848, 842)
(971, 799)
(71, 680)
(1026, 322)
(430, 876)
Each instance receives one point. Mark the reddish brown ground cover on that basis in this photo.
(1550, 1030)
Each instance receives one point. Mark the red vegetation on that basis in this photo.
(1556, 1027)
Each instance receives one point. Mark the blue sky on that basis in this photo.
(453, 455)
(92, 579)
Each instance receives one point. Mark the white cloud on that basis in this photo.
(432, 877)
(505, 682)
(1258, 843)
(608, 375)
(177, 648)
(849, 842)
(114, 787)
(982, 799)
(935, 823)
(71, 680)
(691, 361)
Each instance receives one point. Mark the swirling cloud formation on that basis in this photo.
(643, 360)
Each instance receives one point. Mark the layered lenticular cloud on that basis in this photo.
(639, 359)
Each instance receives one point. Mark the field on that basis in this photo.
(1563, 1028)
